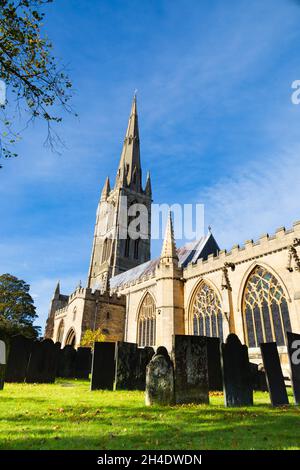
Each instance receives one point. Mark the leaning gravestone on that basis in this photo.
(4, 347)
(103, 366)
(237, 381)
(19, 354)
(66, 362)
(190, 369)
(160, 379)
(127, 357)
(258, 378)
(293, 340)
(83, 363)
(42, 364)
(215, 381)
(274, 374)
(144, 357)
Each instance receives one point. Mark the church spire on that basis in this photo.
(169, 252)
(129, 170)
(105, 190)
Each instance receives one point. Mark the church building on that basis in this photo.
(198, 289)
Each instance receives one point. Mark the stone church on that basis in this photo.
(198, 289)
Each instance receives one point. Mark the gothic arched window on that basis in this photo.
(265, 310)
(147, 322)
(106, 249)
(71, 338)
(206, 311)
(60, 332)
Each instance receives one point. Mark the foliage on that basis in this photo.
(33, 76)
(66, 415)
(90, 337)
(17, 310)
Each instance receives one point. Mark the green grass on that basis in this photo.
(67, 415)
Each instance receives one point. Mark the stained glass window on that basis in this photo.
(207, 312)
(265, 310)
(147, 322)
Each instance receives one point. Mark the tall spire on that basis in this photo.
(130, 165)
(105, 190)
(169, 252)
(57, 290)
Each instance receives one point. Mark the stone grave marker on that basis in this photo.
(127, 358)
(66, 362)
(215, 381)
(42, 364)
(20, 350)
(83, 363)
(190, 369)
(160, 379)
(258, 378)
(4, 349)
(144, 357)
(293, 340)
(103, 366)
(274, 374)
(237, 382)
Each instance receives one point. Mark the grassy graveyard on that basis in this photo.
(68, 416)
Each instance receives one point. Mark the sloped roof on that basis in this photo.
(189, 253)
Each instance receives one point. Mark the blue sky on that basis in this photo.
(217, 126)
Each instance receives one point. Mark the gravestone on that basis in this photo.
(160, 379)
(83, 363)
(103, 366)
(293, 341)
(144, 357)
(237, 381)
(190, 369)
(215, 381)
(274, 374)
(4, 348)
(258, 378)
(66, 362)
(42, 364)
(127, 359)
(19, 354)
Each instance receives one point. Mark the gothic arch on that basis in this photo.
(264, 308)
(205, 311)
(71, 338)
(146, 321)
(60, 332)
(246, 277)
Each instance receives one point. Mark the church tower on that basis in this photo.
(127, 205)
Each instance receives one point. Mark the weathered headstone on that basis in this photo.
(103, 366)
(83, 363)
(42, 363)
(66, 362)
(4, 348)
(293, 340)
(144, 357)
(190, 369)
(237, 381)
(258, 378)
(127, 358)
(19, 354)
(160, 379)
(274, 374)
(215, 381)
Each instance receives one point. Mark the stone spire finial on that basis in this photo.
(168, 251)
(105, 190)
(57, 290)
(148, 188)
(130, 157)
